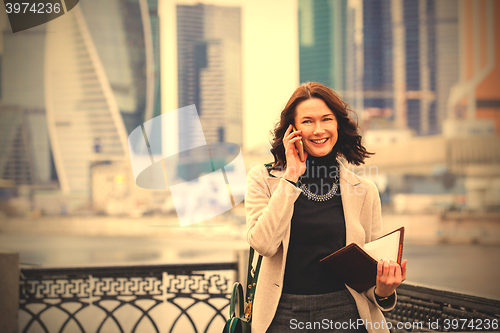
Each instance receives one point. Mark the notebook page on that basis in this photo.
(385, 248)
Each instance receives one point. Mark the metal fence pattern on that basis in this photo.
(164, 298)
(442, 311)
(195, 298)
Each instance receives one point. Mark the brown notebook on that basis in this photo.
(357, 267)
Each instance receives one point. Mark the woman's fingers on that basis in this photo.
(389, 276)
(295, 167)
(380, 270)
(291, 146)
(290, 141)
(397, 274)
(403, 270)
(380, 267)
(294, 139)
(383, 288)
(289, 135)
(387, 270)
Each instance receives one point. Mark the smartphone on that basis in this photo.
(299, 146)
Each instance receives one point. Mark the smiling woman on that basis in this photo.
(299, 210)
(318, 126)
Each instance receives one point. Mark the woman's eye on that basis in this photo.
(306, 122)
(326, 119)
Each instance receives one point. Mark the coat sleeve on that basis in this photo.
(269, 210)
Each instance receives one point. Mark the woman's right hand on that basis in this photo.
(294, 166)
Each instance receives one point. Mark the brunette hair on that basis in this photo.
(349, 140)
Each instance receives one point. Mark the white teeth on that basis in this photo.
(319, 141)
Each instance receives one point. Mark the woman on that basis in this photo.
(299, 211)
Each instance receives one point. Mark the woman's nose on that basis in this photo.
(318, 129)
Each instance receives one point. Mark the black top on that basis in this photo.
(317, 230)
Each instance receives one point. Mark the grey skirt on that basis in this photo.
(332, 312)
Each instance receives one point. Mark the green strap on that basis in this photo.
(233, 325)
(239, 312)
(251, 282)
(236, 296)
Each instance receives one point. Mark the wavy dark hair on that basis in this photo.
(349, 140)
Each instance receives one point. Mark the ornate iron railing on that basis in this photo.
(195, 298)
(426, 310)
(165, 298)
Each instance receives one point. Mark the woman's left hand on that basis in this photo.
(389, 276)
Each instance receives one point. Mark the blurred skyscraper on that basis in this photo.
(24, 144)
(476, 94)
(85, 80)
(323, 47)
(209, 70)
(397, 56)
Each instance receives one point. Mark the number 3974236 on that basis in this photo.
(32, 8)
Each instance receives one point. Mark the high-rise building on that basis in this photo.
(86, 79)
(25, 156)
(476, 94)
(126, 37)
(393, 55)
(209, 70)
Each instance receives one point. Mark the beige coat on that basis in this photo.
(269, 208)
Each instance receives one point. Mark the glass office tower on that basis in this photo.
(85, 80)
(398, 56)
(209, 69)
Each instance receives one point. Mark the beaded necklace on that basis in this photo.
(320, 197)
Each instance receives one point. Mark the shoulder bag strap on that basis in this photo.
(251, 283)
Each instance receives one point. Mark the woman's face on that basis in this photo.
(318, 125)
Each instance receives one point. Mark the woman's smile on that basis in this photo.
(319, 141)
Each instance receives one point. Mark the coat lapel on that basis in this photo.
(353, 195)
